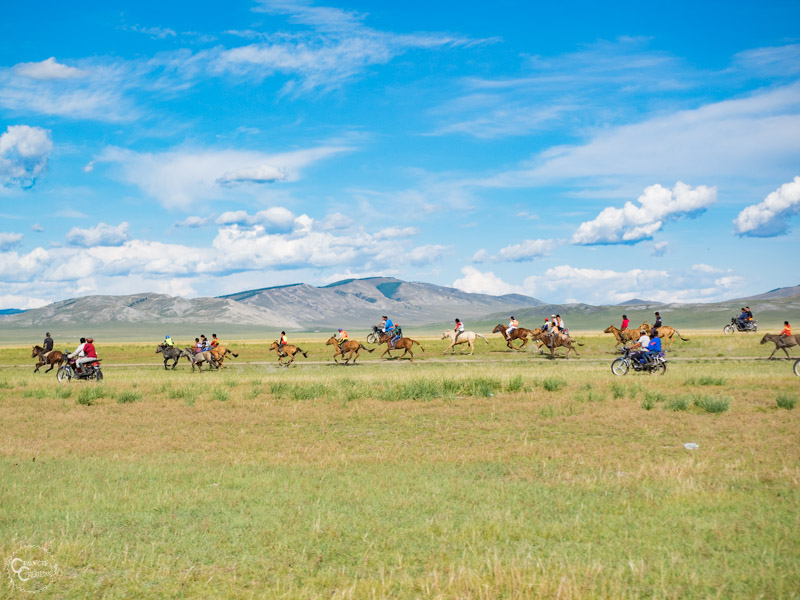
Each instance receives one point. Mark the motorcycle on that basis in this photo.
(376, 334)
(655, 364)
(86, 371)
(737, 325)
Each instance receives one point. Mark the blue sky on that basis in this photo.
(572, 152)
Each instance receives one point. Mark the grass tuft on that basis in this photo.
(127, 397)
(705, 380)
(220, 395)
(553, 384)
(676, 404)
(786, 401)
(89, 395)
(712, 405)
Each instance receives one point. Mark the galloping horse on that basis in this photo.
(468, 337)
(287, 350)
(170, 353)
(403, 343)
(558, 340)
(665, 332)
(351, 346)
(623, 337)
(520, 333)
(56, 357)
(782, 342)
(219, 354)
(199, 358)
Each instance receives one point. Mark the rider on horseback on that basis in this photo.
(281, 343)
(47, 346)
(342, 338)
(169, 342)
(458, 329)
(512, 325)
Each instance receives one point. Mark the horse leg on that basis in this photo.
(51, 367)
(471, 346)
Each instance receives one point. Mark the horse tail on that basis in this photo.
(300, 350)
(363, 347)
(483, 338)
(680, 336)
(418, 344)
(233, 353)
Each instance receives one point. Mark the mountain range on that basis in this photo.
(358, 304)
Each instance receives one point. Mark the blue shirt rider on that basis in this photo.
(654, 347)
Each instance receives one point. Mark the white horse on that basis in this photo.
(468, 337)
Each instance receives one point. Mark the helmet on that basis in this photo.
(90, 340)
(552, 316)
(340, 328)
(48, 333)
(512, 316)
(166, 337)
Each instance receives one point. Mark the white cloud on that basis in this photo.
(259, 174)
(704, 268)
(526, 250)
(23, 302)
(659, 249)
(633, 223)
(396, 232)
(100, 235)
(194, 222)
(47, 70)
(477, 282)
(770, 217)
(24, 152)
(182, 179)
(156, 33)
(336, 221)
(9, 240)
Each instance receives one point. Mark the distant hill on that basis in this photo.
(637, 302)
(10, 311)
(361, 302)
(784, 292)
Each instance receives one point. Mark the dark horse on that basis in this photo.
(782, 342)
(171, 353)
(403, 343)
(56, 357)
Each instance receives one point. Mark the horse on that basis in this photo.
(220, 352)
(558, 340)
(351, 346)
(520, 333)
(403, 343)
(56, 357)
(623, 337)
(288, 350)
(199, 358)
(782, 342)
(467, 337)
(665, 332)
(170, 353)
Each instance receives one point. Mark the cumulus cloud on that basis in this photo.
(396, 232)
(24, 152)
(659, 249)
(23, 302)
(336, 221)
(48, 69)
(100, 235)
(194, 222)
(9, 240)
(184, 178)
(770, 217)
(634, 223)
(274, 219)
(479, 282)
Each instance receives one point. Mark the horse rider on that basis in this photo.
(398, 333)
(787, 329)
(204, 342)
(47, 346)
(458, 329)
(214, 341)
(625, 323)
(342, 338)
(512, 325)
(90, 353)
(281, 343)
(546, 326)
(643, 343)
(168, 342)
(386, 324)
(198, 346)
(657, 324)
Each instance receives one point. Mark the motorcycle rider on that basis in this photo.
(643, 344)
(90, 354)
(654, 347)
(741, 320)
(78, 352)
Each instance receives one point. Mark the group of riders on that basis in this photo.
(201, 344)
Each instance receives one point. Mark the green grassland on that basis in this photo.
(502, 475)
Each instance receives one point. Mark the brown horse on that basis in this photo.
(665, 332)
(198, 358)
(351, 346)
(558, 340)
(623, 337)
(56, 357)
(782, 342)
(403, 343)
(220, 352)
(288, 350)
(520, 333)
